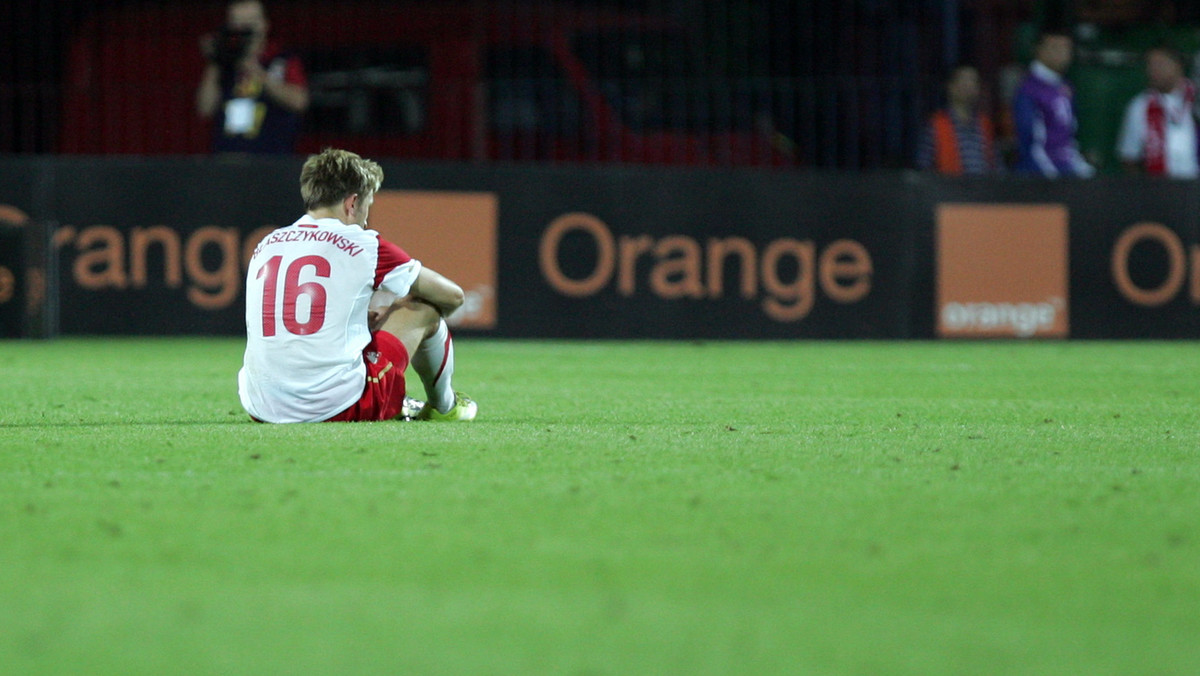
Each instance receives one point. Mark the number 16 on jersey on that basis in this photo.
(293, 291)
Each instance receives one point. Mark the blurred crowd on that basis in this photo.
(1036, 130)
(955, 87)
(255, 94)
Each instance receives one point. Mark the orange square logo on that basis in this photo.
(1002, 271)
(453, 233)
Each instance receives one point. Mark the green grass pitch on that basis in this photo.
(619, 508)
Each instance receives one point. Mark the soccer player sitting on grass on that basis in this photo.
(335, 313)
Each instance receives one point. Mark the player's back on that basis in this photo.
(307, 290)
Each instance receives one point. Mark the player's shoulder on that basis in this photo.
(388, 250)
(361, 237)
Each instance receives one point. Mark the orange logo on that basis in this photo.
(1002, 271)
(451, 232)
(1183, 264)
(684, 267)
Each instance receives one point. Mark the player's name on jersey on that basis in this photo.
(306, 235)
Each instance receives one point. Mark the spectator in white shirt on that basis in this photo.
(1158, 136)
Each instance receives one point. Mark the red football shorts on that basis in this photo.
(382, 398)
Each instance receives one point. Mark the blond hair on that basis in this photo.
(332, 176)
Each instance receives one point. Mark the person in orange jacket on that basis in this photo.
(959, 139)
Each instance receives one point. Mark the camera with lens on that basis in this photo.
(230, 46)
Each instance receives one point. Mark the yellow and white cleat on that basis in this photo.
(464, 410)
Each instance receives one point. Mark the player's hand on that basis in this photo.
(375, 319)
(379, 307)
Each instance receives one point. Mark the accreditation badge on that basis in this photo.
(239, 116)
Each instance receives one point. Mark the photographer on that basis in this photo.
(253, 92)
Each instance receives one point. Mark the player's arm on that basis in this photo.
(400, 275)
(438, 291)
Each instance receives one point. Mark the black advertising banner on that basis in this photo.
(159, 246)
(14, 249)
(699, 254)
(12, 292)
(1132, 254)
(1135, 255)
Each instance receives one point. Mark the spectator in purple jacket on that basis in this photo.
(1044, 113)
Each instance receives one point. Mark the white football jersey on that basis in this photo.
(1179, 133)
(307, 292)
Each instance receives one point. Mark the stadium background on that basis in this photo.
(625, 506)
(780, 130)
(848, 81)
